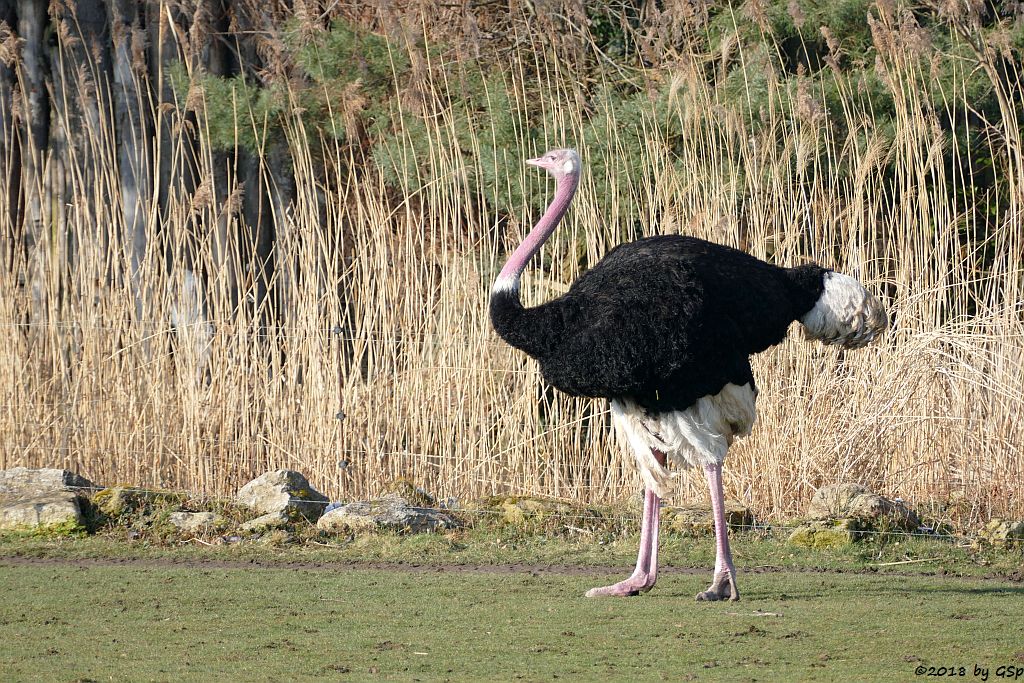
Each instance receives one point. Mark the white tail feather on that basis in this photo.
(697, 436)
(846, 314)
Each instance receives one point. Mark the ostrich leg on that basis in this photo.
(646, 573)
(723, 585)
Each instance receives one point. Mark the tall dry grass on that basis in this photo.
(380, 362)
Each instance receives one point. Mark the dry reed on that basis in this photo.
(380, 362)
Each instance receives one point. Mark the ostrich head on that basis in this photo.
(559, 163)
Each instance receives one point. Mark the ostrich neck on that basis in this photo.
(508, 278)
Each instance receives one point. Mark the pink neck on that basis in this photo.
(508, 278)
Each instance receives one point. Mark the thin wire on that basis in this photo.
(549, 428)
(261, 331)
(76, 425)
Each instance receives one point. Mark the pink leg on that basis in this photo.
(646, 573)
(723, 585)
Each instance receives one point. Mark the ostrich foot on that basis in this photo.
(722, 588)
(635, 585)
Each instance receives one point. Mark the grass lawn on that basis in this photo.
(131, 619)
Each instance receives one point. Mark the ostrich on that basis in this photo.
(664, 327)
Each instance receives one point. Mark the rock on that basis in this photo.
(55, 508)
(283, 491)
(415, 495)
(831, 502)
(853, 501)
(271, 520)
(822, 535)
(390, 513)
(697, 518)
(535, 513)
(41, 497)
(1002, 533)
(117, 501)
(22, 482)
(516, 511)
(193, 521)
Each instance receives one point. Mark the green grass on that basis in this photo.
(100, 608)
(65, 622)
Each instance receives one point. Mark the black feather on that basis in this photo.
(662, 320)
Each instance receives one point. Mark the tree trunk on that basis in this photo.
(175, 158)
(281, 193)
(10, 149)
(218, 60)
(35, 107)
(267, 174)
(80, 68)
(131, 121)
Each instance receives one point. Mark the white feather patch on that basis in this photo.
(695, 437)
(506, 284)
(845, 314)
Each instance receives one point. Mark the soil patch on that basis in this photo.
(515, 568)
(341, 565)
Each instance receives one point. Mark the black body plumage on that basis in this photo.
(662, 320)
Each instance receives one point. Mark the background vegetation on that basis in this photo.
(240, 236)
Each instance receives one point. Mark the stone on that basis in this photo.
(285, 491)
(390, 513)
(698, 518)
(54, 508)
(823, 535)
(534, 513)
(271, 520)
(833, 501)
(117, 501)
(1002, 533)
(516, 511)
(194, 521)
(415, 495)
(22, 482)
(41, 498)
(853, 501)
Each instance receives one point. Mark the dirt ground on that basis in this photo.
(499, 569)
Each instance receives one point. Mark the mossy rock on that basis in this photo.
(531, 515)
(414, 495)
(535, 513)
(1002, 533)
(271, 520)
(120, 501)
(691, 519)
(67, 529)
(850, 500)
(825, 535)
(282, 490)
(518, 511)
(55, 513)
(513, 510)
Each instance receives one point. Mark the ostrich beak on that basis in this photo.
(538, 162)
